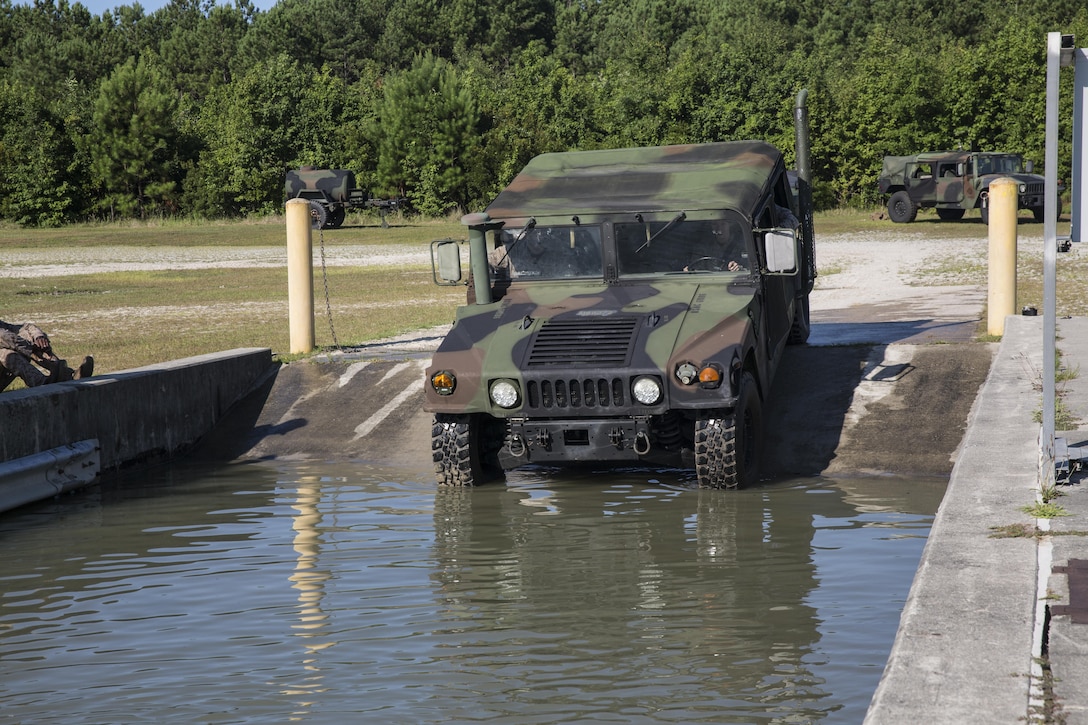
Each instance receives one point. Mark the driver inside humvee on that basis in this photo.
(712, 245)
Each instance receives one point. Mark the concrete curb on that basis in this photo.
(135, 414)
(963, 652)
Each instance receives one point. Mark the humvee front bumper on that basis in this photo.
(577, 440)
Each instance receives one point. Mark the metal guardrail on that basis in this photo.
(49, 473)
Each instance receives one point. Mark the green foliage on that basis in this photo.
(427, 136)
(443, 101)
(39, 164)
(132, 141)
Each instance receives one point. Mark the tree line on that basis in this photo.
(198, 109)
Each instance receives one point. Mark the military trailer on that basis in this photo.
(953, 182)
(630, 305)
(332, 193)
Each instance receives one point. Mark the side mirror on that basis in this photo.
(446, 262)
(1029, 167)
(781, 250)
(961, 169)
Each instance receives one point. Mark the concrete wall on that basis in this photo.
(134, 414)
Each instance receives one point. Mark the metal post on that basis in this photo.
(300, 276)
(1079, 194)
(1001, 299)
(1050, 257)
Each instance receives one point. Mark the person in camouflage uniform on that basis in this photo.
(23, 348)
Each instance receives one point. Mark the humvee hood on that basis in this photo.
(613, 326)
(725, 175)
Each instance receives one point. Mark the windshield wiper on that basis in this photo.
(529, 225)
(678, 218)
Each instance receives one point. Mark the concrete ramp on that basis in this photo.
(337, 410)
(878, 409)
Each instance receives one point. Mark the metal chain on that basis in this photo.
(325, 280)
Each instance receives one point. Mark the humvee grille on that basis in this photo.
(576, 393)
(1035, 188)
(594, 341)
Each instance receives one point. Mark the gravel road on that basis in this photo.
(56, 262)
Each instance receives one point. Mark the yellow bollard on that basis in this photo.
(300, 275)
(1001, 301)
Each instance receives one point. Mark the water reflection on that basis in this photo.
(309, 579)
(255, 593)
(657, 602)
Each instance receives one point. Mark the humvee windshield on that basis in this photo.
(711, 245)
(999, 165)
(558, 252)
(642, 248)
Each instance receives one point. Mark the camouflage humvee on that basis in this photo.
(630, 305)
(954, 181)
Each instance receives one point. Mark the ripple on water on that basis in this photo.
(256, 593)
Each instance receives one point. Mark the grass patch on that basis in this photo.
(1040, 510)
(133, 319)
(270, 231)
(1028, 531)
(927, 224)
(1015, 531)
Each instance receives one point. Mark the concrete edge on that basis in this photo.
(964, 644)
(148, 412)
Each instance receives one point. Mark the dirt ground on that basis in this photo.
(885, 385)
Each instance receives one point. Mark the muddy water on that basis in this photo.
(345, 593)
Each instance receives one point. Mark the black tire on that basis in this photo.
(1039, 212)
(950, 215)
(319, 215)
(901, 208)
(802, 325)
(727, 450)
(465, 449)
(984, 212)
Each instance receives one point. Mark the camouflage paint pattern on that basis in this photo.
(667, 323)
(334, 185)
(939, 187)
(583, 336)
(728, 175)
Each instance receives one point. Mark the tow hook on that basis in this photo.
(516, 446)
(642, 443)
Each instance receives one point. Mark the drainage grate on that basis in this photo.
(1077, 573)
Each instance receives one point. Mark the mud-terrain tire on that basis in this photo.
(802, 325)
(950, 215)
(318, 215)
(984, 212)
(901, 209)
(727, 450)
(465, 449)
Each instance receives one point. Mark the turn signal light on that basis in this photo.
(710, 377)
(444, 382)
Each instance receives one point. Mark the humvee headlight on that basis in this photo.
(646, 390)
(444, 382)
(687, 373)
(1023, 188)
(504, 393)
